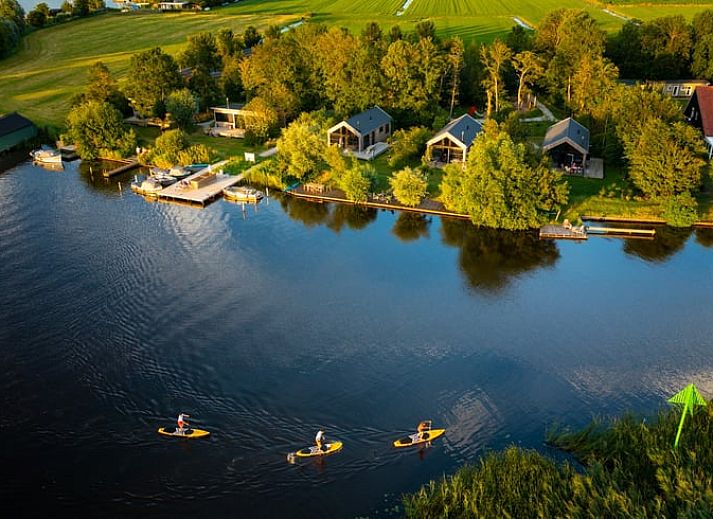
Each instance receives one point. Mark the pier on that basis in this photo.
(127, 165)
(561, 232)
(621, 231)
(201, 187)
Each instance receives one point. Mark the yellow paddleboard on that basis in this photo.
(428, 436)
(326, 450)
(187, 433)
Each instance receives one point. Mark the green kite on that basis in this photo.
(689, 398)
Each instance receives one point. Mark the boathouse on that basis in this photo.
(453, 142)
(15, 130)
(699, 113)
(567, 142)
(361, 131)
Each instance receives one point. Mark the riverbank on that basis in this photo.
(630, 470)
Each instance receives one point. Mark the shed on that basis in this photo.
(15, 130)
(567, 142)
(699, 113)
(453, 142)
(361, 131)
(229, 120)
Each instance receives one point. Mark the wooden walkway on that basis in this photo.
(127, 165)
(185, 191)
(427, 206)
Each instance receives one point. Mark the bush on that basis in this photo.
(356, 182)
(409, 186)
(681, 210)
(408, 146)
(172, 148)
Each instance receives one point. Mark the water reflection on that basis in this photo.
(334, 216)
(490, 258)
(92, 174)
(704, 237)
(411, 226)
(669, 240)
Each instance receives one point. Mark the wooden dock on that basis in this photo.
(560, 232)
(201, 187)
(621, 231)
(127, 165)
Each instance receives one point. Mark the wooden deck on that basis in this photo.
(558, 232)
(184, 191)
(127, 165)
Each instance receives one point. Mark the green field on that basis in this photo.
(51, 65)
(649, 11)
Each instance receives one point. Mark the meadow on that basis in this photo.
(50, 67)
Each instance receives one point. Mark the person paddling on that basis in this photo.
(422, 428)
(320, 439)
(182, 422)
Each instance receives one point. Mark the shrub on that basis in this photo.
(409, 186)
(681, 210)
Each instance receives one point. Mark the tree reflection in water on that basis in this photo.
(92, 174)
(668, 241)
(491, 258)
(411, 226)
(334, 216)
(704, 237)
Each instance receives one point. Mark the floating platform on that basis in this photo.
(559, 232)
(200, 188)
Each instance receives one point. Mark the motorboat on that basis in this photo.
(147, 187)
(163, 178)
(46, 155)
(243, 194)
(179, 172)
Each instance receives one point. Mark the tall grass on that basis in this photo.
(629, 469)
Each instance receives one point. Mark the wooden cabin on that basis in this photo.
(360, 131)
(567, 142)
(453, 142)
(699, 113)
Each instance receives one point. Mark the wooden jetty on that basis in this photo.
(621, 231)
(201, 187)
(127, 165)
(561, 232)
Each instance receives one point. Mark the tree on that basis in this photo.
(593, 78)
(104, 88)
(172, 148)
(495, 57)
(261, 121)
(454, 67)
(183, 107)
(498, 188)
(472, 76)
(154, 74)
(667, 43)
(681, 210)
(43, 8)
(666, 160)
(230, 82)
(356, 182)
(408, 145)
(96, 5)
(201, 53)
(519, 39)
(702, 65)
(410, 186)
(98, 130)
(529, 68)
(9, 36)
(301, 143)
(13, 11)
(66, 7)
(36, 18)
(80, 7)
(426, 30)
(251, 37)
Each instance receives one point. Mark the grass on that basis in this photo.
(629, 470)
(648, 11)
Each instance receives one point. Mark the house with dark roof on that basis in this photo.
(453, 142)
(567, 142)
(699, 113)
(361, 131)
(14, 130)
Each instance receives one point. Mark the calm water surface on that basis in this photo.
(266, 323)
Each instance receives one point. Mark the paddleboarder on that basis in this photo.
(320, 439)
(182, 422)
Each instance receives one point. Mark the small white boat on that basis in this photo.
(46, 155)
(148, 187)
(243, 194)
(179, 172)
(163, 178)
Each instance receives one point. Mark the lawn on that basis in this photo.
(51, 66)
(648, 11)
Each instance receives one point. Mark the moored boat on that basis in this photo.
(243, 194)
(163, 178)
(179, 172)
(147, 187)
(46, 155)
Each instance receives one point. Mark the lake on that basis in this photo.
(269, 322)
